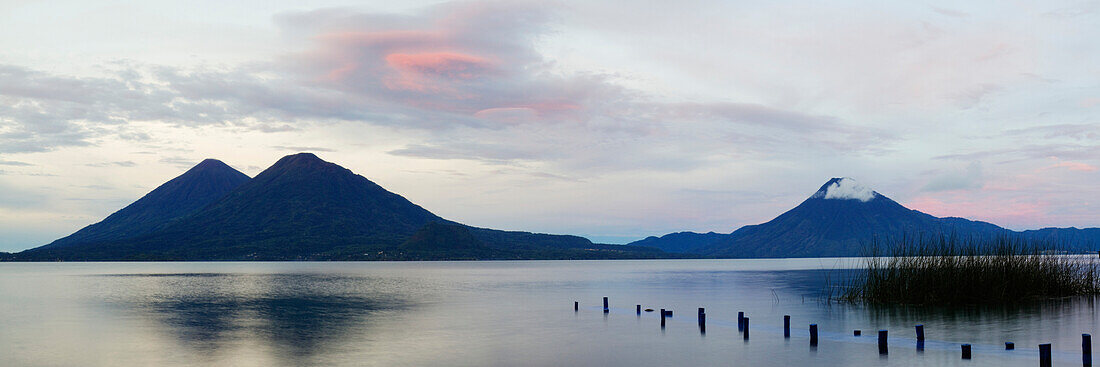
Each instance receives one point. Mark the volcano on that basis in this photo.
(300, 208)
(201, 185)
(839, 219)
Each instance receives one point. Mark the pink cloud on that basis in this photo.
(558, 106)
(509, 115)
(459, 62)
(527, 113)
(342, 71)
(440, 64)
(383, 38)
(434, 72)
(1074, 166)
(996, 209)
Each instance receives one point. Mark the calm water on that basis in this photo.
(487, 314)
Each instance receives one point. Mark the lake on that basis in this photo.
(491, 313)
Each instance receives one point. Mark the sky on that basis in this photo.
(613, 120)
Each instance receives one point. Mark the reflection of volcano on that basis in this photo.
(296, 315)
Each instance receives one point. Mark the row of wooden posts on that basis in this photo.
(743, 327)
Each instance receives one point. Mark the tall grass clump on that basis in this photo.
(948, 270)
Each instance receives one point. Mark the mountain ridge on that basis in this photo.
(838, 220)
(305, 208)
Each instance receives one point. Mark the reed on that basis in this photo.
(949, 270)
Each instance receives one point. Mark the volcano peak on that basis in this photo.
(844, 188)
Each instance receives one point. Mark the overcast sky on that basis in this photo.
(613, 120)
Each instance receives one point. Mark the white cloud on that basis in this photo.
(847, 189)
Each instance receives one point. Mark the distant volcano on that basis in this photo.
(834, 221)
(837, 220)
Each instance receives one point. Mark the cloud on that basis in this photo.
(14, 163)
(29, 174)
(1013, 212)
(92, 187)
(271, 128)
(1029, 152)
(40, 111)
(949, 12)
(508, 115)
(134, 136)
(302, 149)
(470, 73)
(1070, 131)
(969, 178)
(449, 64)
(179, 161)
(489, 153)
(15, 197)
(847, 189)
(468, 76)
(425, 72)
(812, 129)
(112, 164)
(1074, 166)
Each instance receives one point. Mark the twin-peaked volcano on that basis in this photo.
(299, 203)
(301, 207)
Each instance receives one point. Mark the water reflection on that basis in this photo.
(203, 323)
(295, 316)
(490, 314)
(810, 283)
(1010, 318)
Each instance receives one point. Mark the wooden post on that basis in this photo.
(786, 326)
(605, 309)
(746, 335)
(702, 315)
(920, 332)
(1086, 349)
(1044, 355)
(740, 321)
(576, 306)
(857, 332)
(882, 346)
(966, 351)
(662, 318)
(813, 334)
(1010, 346)
(638, 309)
